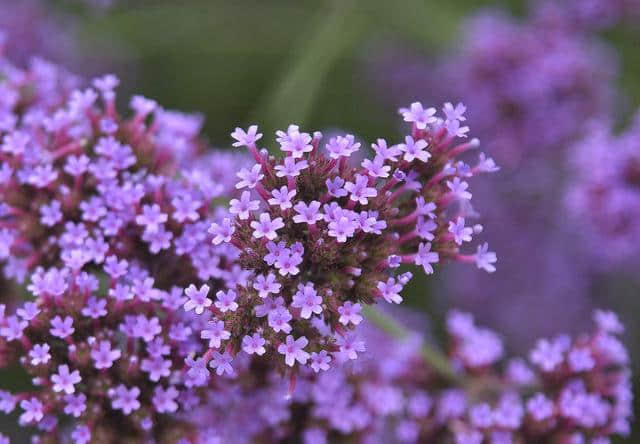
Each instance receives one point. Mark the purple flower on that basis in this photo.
(248, 138)
(485, 259)
(320, 361)
(342, 146)
(266, 227)
(293, 350)
(222, 233)
(164, 400)
(359, 190)
(390, 290)
(249, 178)
(244, 206)
(426, 257)
(418, 115)
(221, 362)
(33, 410)
(266, 285)
(151, 218)
(226, 301)
(39, 354)
(61, 328)
(349, 313)
(125, 399)
(282, 197)
(308, 300)
(104, 356)
(215, 333)
(548, 354)
(81, 434)
(64, 380)
(198, 299)
(75, 404)
(414, 149)
(253, 344)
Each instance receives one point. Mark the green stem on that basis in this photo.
(437, 360)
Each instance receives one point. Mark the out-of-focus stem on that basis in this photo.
(437, 360)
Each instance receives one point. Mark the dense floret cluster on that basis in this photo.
(566, 390)
(106, 234)
(319, 238)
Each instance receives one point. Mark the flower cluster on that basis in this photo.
(531, 85)
(35, 27)
(604, 195)
(319, 238)
(590, 14)
(106, 237)
(74, 174)
(570, 390)
(515, 76)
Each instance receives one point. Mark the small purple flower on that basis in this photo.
(75, 404)
(249, 179)
(485, 259)
(33, 410)
(103, 355)
(426, 257)
(419, 116)
(308, 300)
(350, 313)
(320, 361)
(547, 355)
(359, 189)
(39, 354)
(61, 328)
(414, 149)
(459, 231)
(223, 232)
(253, 344)
(390, 290)
(164, 400)
(282, 197)
(246, 138)
(221, 362)
(151, 218)
(266, 227)
(198, 299)
(266, 285)
(215, 333)
(335, 187)
(226, 301)
(81, 434)
(243, 206)
(293, 350)
(125, 399)
(64, 380)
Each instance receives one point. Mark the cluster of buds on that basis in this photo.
(569, 391)
(319, 238)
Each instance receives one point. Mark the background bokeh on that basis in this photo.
(348, 65)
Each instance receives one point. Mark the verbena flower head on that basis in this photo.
(567, 390)
(515, 77)
(105, 237)
(318, 238)
(604, 194)
(35, 27)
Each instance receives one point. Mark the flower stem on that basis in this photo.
(435, 358)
